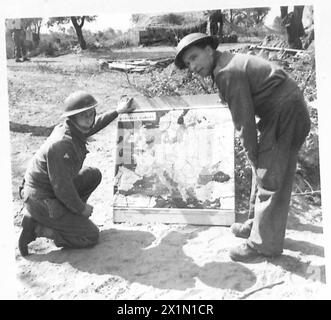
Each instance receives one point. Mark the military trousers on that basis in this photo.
(281, 137)
(57, 222)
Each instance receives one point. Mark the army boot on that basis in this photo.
(28, 234)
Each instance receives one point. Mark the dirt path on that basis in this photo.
(153, 261)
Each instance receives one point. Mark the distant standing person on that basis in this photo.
(56, 185)
(17, 28)
(216, 23)
(253, 87)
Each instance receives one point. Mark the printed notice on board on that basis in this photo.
(139, 116)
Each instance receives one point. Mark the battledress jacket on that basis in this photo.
(52, 169)
(252, 87)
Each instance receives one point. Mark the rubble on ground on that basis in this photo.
(300, 64)
(138, 65)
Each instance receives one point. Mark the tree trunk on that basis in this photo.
(283, 12)
(78, 27)
(231, 16)
(37, 36)
(294, 27)
(298, 12)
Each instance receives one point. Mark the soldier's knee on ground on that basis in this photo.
(89, 239)
(92, 235)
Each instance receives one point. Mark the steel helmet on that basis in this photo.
(192, 39)
(78, 101)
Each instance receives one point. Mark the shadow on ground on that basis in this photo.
(294, 223)
(305, 247)
(302, 269)
(290, 263)
(132, 256)
(34, 130)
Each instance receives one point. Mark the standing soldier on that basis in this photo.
(216, 23)
(18, 35)
(252, 87)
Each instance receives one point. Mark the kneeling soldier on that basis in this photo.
(57, 187)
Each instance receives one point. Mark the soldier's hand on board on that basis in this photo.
(125, 105)
(87, 211)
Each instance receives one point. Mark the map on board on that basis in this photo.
(175, 159)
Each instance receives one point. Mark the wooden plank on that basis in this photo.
(151, 60)
(143, 104)
(219, 218)
(277, 49)
(126, 67)
(174, 211)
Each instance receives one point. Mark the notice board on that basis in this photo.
(175, 162)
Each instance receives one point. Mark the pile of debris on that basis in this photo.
(273, 40)
(137, 65)
(275, 48)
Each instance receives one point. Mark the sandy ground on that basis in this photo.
(132, 261)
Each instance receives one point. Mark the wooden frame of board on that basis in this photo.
(175, 162)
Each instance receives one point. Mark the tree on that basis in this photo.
(231, 15)
(258, 14)
(293, 23)
(247, 17)
(35, 25)
(77, 22)
(237, 16)
(172, 19)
